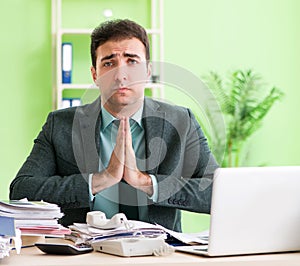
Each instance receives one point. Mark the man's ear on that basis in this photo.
(94, 74)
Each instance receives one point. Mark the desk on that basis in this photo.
(34, 257)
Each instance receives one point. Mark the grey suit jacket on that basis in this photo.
(66, 151)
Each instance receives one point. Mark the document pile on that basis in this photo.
(34, 217)
(85, 233)
(176, 238)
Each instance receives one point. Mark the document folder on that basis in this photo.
(66, 62)
(7, 226)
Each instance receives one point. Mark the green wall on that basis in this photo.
(25, 67)
(200, 35)
(225, 35)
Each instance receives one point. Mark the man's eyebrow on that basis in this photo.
(131, 55)
(107, 57)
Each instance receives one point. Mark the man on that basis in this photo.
(124, 152)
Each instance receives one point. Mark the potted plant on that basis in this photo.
(244, 102)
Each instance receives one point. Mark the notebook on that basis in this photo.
(254, 210)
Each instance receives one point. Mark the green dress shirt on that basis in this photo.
(108, 199)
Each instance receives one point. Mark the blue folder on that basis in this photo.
(7, 226)
(66, 62)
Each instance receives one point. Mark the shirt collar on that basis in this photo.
(107, 118)
(137, 116)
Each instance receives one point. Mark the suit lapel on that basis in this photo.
(88, 125)
(153, 122)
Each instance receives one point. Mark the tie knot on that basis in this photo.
(116, 122)
(131, 122)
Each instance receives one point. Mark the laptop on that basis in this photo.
(254, 210)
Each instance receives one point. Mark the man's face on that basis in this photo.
(121, 73)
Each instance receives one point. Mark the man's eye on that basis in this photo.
(132, 61)
(107, 64)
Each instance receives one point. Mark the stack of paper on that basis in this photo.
(85, 233)
(187, 238)
(34, 217)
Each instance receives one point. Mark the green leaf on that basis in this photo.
(244, 101)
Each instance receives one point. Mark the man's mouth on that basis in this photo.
(124, 89)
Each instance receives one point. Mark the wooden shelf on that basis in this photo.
(78, 86)
(59, 33)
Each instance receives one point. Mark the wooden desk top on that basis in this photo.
(32, 256)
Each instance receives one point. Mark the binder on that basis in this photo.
(70, 102)
(67, 50)
(7, 226)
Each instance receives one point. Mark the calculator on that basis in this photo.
(64, 249)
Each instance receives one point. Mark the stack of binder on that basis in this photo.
(34, 217)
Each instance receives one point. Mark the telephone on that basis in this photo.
(135, 246)
(98, 219)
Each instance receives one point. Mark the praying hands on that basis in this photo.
(122, 165)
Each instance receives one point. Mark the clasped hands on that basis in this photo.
(122, 165)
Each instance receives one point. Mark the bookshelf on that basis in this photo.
(81, 37)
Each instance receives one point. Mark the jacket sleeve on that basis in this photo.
(47, 176)
(190, 188)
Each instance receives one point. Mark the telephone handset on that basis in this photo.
(98, 219)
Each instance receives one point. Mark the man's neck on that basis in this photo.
(123, 111)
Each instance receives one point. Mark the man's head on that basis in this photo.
(117, 30)
(120, 65)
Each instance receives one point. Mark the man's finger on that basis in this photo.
(128, 137)
(120, 141)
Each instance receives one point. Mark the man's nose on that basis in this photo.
(121, 73)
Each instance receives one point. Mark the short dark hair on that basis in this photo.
(116, 30)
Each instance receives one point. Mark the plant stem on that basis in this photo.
(229, 153)
(237, 155)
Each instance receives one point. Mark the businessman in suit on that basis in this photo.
(123, 152)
